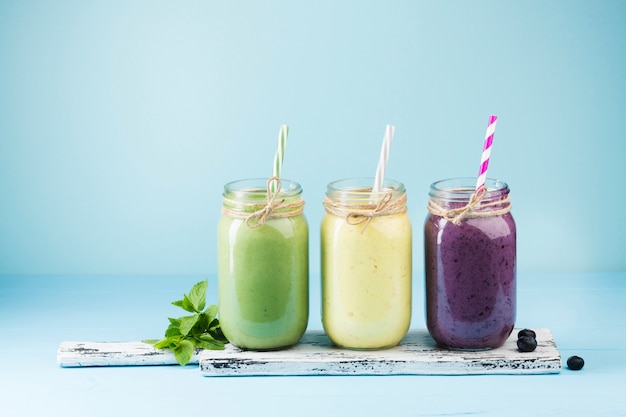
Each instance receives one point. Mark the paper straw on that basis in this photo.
(279, 155)
(382, 161)
(484, 160)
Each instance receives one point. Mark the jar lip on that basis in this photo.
(464, 187)
(360, 185)
(258, 186)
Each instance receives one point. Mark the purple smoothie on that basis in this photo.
(470, 276)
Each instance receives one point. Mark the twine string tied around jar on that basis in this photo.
(471, 209)
(275, 208)
(356, 215)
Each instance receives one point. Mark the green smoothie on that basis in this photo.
(263, 270)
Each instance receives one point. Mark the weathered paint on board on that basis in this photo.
(417, 354)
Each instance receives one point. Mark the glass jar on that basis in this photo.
(263, 264)
(366, 264)
(470, 264)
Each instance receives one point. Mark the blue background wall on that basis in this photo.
(120, 121)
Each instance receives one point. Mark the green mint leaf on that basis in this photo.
(173, 329)
(166, 343)
(183, 352)
(185, 304)
(215, 323)
(188, 304)
(150, 341)
(211, 312)
(187, 323)
(201, 325)
(197, 295)
(216, 332)
(207, 342)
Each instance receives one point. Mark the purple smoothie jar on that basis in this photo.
(470, 264)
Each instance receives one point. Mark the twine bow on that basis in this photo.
(456, 215)
(356, 219)
(262, 214)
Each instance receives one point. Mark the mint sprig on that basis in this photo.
(199, 330)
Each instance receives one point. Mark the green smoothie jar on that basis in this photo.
(263, 264)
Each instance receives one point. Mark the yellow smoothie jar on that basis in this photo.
(366, 264)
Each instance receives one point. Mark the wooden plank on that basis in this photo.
(315, 355)
(416, 355)
(78, 354)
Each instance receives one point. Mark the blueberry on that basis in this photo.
(526, 343)
(575, 363)
(527, 332)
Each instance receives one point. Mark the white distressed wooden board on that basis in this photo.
(417, 354)
(77, 354)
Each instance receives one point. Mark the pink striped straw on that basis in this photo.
(484, 160)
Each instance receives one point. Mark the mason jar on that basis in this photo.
(263, 264)
(366, 264)
(470, 264)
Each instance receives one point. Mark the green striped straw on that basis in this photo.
(279, 155)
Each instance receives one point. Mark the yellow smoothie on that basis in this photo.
(366, 278)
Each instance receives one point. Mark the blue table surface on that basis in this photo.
(584, 311)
